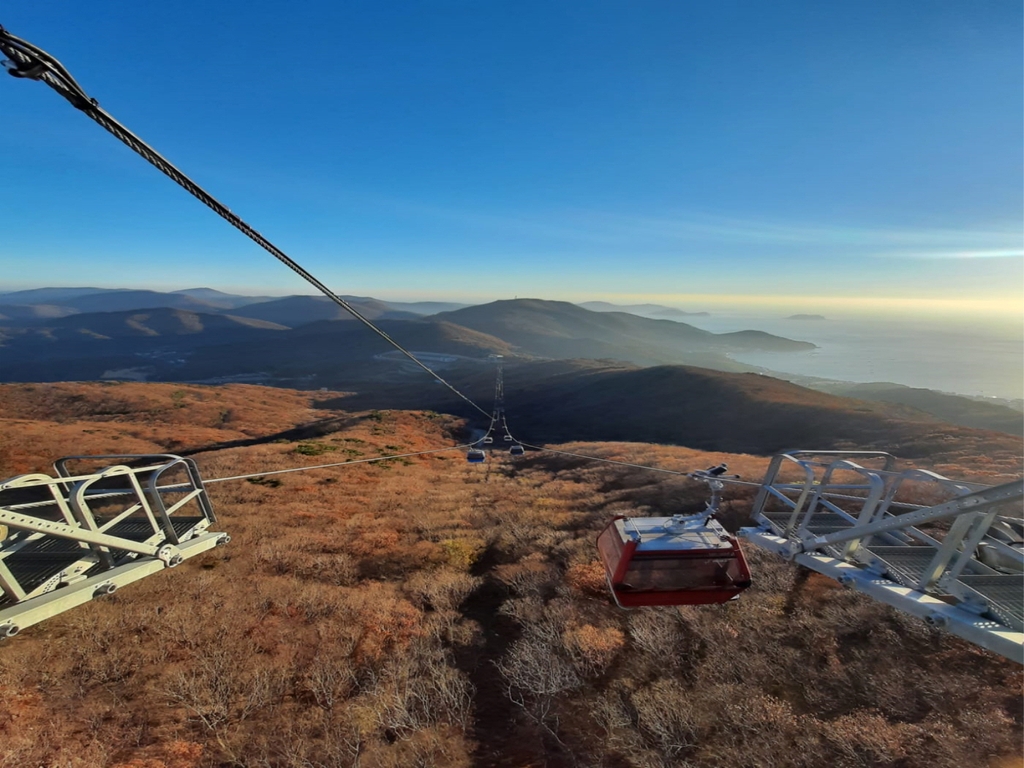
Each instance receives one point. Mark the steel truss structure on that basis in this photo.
(78, 535)
(956, 560)
(949, 552)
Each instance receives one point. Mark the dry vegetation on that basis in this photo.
(428, 612)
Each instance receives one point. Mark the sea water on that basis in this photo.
(949, 355)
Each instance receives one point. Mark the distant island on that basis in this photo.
(806, 317)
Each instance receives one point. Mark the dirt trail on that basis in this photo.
(494, 727)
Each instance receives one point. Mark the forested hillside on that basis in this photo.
(428, 612)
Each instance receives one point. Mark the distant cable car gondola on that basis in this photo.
(516, 450)
(508, 438)
(488, 440)
(681, 560)
(476, 456)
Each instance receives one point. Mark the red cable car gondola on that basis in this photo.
(682, 560)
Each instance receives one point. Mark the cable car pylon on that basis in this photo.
(498, 424)
(515, 448)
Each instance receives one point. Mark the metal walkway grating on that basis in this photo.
(1004, 594)
(140, 529)
(46, 557)
(849, 526)
(905, 564)
(74, 537)
(36, 568)
(820, 524)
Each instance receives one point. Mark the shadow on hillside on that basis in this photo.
(302, 432)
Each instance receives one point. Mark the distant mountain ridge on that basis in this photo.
(50, 295)
(307, 336)
(149, 323)
(533, 327)
(644, 310)
(53, 334)
(964, 411)
(295, 311)
(223, 300)
(76, 300)
(155, 322)
(558, 329)
(34, 305)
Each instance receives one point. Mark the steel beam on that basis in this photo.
(982, 632)
(17, 617)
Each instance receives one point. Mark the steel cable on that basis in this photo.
(31, 62)
(28, 61)
(169, 488)
(338, 464)
(34, 63)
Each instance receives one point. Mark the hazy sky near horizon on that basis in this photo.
(861, 155)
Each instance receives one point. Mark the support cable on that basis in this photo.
(608, 461)
(207, 481)
(31, 62)
(690, 475)
(338, 464)
(27, 61)
(112, 494)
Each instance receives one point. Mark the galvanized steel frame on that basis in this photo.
(107, 561)
(936, 595)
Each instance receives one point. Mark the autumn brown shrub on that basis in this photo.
(446, 615)
(587, 578)
(593, 648)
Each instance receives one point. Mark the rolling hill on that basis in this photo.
(968, 412)
(32, 314)
(560, 330)
(148, 323)
(294, 311)
(341, 355)
(121, 301)
(90, 345)
(644, 310)
(223, 300)
(700, 408)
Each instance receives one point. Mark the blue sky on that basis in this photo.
(857, 154)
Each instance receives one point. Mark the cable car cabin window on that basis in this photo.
(672, 574)
(609, 547)
(671, 561)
